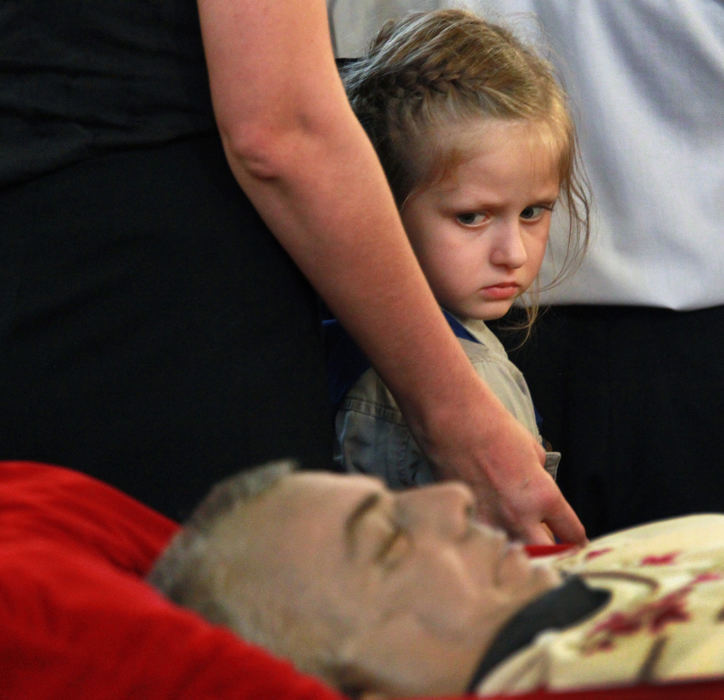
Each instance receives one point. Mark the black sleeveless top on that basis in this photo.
(153, 332)
(83, 78)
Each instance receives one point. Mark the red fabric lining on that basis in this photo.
(76, 618)
(542, 550)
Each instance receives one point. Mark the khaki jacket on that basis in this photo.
(373, 438)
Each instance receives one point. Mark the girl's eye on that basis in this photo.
(471, 218)
(533, 213)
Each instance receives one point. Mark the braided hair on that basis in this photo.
(429, 73)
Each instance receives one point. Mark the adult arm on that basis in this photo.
(297, 150)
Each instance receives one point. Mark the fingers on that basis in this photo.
(565, 524)
(538, 515)
(539, 534)
(493, 511)
(565, 530)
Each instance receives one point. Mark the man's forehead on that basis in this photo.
(314, 513)
(328, 493)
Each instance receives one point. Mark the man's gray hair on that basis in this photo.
(189, 571)
(229, 578)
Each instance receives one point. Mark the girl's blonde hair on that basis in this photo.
(430, 72)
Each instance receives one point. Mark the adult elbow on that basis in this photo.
(258, 150)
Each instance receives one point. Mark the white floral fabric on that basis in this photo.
(664, 621)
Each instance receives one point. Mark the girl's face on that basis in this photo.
(481, 231)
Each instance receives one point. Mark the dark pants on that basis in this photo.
(152, 332)
(633, 398)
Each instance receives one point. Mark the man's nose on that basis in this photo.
(508, 248)
(446, 508)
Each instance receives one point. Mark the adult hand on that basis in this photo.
(503, 465)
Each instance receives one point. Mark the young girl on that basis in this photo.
(478, 145)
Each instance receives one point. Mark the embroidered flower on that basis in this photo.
(598, 552)
(652, 617)
(669, 609)
(659, 560)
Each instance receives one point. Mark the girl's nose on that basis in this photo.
(508, 248)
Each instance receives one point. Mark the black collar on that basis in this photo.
(558, 608)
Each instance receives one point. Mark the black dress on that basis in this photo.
(153, 333)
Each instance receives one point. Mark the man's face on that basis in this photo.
(417, 587)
